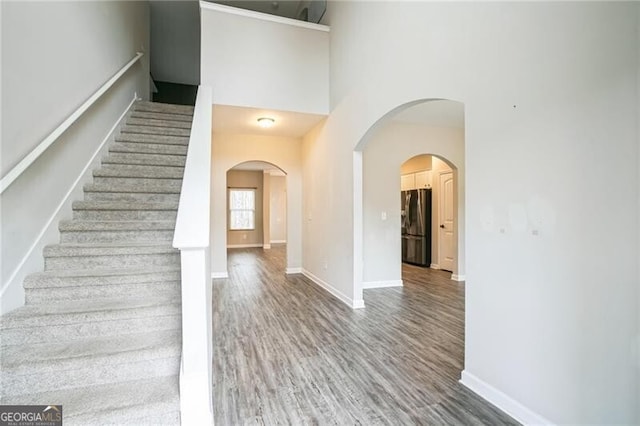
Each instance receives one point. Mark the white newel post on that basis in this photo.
(196, 402)
(192, 238)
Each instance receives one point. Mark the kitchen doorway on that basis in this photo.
(428, 212)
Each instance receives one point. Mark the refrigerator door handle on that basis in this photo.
(421, 231)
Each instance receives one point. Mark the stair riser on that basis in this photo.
(36, 281)
(115, 215)
(161, 116)
(46, 295)
(164, 108)
(155, 172)
(147, 148)
(145, 159)
(139, 197)
(78, 328)
(153, 130)
(150, 138)
(115, 236)
(88, 373)
(155, 417)
(169, 185)
(154, 122)
(117, 261)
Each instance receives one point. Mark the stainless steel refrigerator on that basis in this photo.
(416, 226)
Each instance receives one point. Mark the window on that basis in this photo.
(242, 209)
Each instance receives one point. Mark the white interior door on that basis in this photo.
(446, 216)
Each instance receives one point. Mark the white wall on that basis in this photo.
(231, 150)
(550, 90)
(388, 149)
(175, 41)
(278, 206)
(246, 179)
(253, 62)
(54, 56)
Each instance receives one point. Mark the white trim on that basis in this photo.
(278, 241)
(502, 401)
(32, 156)
(357, 304)
(456, 277)
(219, 275)
(382, 284)
(434, 266)
(38, 243)
(263, 16)
(293, 271)
(266, 246)
(244, 245)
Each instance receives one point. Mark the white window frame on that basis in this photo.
(231, 209)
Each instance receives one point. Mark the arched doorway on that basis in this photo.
(257, 207)
(434, 126)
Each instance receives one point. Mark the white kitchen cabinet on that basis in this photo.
(423, 179)
(415, 180)
(407, 182)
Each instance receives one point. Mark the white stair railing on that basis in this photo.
(192, 238)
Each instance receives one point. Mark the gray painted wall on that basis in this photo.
(55, 55)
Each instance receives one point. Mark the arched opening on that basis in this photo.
(429, 212)
(433, 126)
(257, 211)
(418, 150)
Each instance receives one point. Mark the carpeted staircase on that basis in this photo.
(101, 329)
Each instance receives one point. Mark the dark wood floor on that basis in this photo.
(287, 352)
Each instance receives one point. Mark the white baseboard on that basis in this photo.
(266, 246)
(244, 246)
(382, 284)
(354, 304)
(278, 241)
(32, 261)
(217, 275)
(456, 277)
(293, 271)
(434, 266)
(502, 401)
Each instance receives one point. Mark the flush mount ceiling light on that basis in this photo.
(266, 122)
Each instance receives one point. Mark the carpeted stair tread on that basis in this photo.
(98, 249)
(105, 276)
(152, 138)
(65, 355)
(122, 170)
(155, 122)
(122, 205)
(150, 187)
(136, 402)
(83, 311)
(155, 130)
(147, 148)
(166, 160)
(133, 225)
(161, 116)
(164, 108)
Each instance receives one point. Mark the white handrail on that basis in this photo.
(19, 168)
(192, 238)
